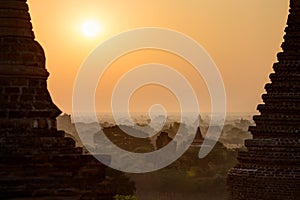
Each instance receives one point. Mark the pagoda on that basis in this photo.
(270, 168)
(36, 160)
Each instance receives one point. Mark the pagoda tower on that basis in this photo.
(198, 140)
(36, 160)
(270, 168)
(25, 100)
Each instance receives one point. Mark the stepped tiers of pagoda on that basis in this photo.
(270, 168)
(25, 100)
(36, 160)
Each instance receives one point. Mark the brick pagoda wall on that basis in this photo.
(270, 168)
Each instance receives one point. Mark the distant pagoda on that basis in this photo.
(198, 140)
(270, 168)
(36, 160)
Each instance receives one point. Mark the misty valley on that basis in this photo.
(188, 177)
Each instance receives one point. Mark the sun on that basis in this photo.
(90, 28)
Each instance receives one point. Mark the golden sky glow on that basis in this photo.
(242, 36)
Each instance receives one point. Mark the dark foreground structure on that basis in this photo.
(270, 168)
(36, 160)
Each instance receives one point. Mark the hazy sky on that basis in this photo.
(242, 37)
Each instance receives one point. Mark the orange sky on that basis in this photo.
(242, 36)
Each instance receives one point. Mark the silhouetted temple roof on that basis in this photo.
(269, 169)
(26, 101)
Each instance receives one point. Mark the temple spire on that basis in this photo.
(15, 19)
(291, 39)
(269, 169)
(25, 101)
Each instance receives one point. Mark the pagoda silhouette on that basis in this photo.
(36, 160)
(270, 168)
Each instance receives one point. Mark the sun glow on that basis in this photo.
(91, 29)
